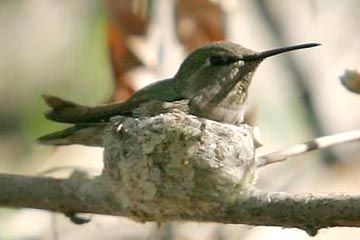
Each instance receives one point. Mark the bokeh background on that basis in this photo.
(100, 51)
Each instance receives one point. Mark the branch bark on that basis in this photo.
(60, 195)
(255, 207)
(175, 167)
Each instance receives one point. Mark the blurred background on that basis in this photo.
(100, 51)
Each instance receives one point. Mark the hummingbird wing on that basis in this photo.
(91, 134)
(84, 134)
(91, 121)
(68, 112)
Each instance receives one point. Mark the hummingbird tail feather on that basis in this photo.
(56, 102)
(63, 110)
(69, 112)
(88, 135)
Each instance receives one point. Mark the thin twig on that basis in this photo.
(318, 143)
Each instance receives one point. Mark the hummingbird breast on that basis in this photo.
(228, 115)
(220, 93)
(230, 109)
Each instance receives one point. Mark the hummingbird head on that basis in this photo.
(213, 65)
(220, 70)
(223, 63)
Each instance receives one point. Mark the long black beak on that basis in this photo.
(276, 51)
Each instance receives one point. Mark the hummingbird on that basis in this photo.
(212, 82)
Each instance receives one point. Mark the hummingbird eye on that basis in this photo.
(222, 60)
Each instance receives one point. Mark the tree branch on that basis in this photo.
(309, 212)
(60, 195)
(306, 211)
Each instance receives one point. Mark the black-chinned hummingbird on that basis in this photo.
(213, 82)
